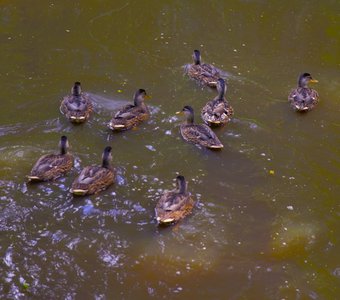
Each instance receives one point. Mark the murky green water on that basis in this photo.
(252, 235)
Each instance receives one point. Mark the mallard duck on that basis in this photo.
(304, 98)
(93, 179)
(204, 74)
(77, 107)
(218, 111)
(174, 205)
(52, 166)
(198, 134)
(132, 114)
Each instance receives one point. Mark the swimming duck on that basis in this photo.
(77, 107)
(218, 111)
(304, 98)
(132, 114)
(198, 134)
(204, 74)
(52, 166)
(174, 205)
(93, 179)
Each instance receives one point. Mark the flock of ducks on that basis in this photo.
(175, 204)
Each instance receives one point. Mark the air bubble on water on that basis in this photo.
(150, 147)
(120, 180)
(138, 207)
(24, 188)
(88, 207)
(336, 272)
(8, 260)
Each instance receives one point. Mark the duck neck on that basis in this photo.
(106, 163)
(138, 100)
(63, 149)
(221, 93)
(197, 60)
(197, 57)
(302, 83)
(76, 90)
(182, 186)
(190, 119)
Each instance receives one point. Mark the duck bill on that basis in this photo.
(179, 112)
(313, 81)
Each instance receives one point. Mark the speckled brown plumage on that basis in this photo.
(199, 134)
(93, 179)
(304, 98)
(77, 107)
(205, 74)
(52, 166)
(174, 205)
(132, 114)
(217, 111)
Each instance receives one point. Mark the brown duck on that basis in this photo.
(304, 98)
(93, 179)
(52, 166)
(218, 111)
(199, 134)
(174, 205)
(77, 107)
(205, 74)
(132, 114)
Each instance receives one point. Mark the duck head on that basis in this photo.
(188, 111)
(139, 97)
(305, 79)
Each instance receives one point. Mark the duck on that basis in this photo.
(132, 114)
(199, 134)
(78, 106)
(94, 179)
(218, 111)
(52, 166)
(174, 205)
(205, 74)
(304, 98)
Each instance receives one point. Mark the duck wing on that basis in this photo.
(129, 117)
(76, 106)
(171, 201)
(51, 166)
(128, 112)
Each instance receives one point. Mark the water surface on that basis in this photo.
(266, 221)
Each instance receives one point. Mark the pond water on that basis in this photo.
(266, 220)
